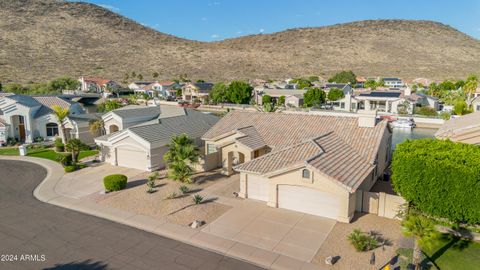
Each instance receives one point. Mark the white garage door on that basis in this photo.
(308, 201)
(257, 187)
(131, 157)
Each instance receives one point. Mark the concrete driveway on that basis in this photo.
(90, 180)
(283, 231)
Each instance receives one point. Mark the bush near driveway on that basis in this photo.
(362, 241)
(115, 182)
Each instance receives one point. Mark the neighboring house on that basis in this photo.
(383, 101)
(128, 116)
(97, 85)
(465, 129)
(347, 103)
(4, 130)
(29, 117)
(143, 145)
(393, 82)
(275, 93)
(294, 101)
(138, 85)
(476, 104)
(304, 162)
(192, 92)
(78, 127)
(422, 100)
(162, 89)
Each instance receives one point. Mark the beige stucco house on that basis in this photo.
(192, 92)
(138, 137)
(465, 129)
(309, 163)
(26, 118)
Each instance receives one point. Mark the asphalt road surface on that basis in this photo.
(36, 235)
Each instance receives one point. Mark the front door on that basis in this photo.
(21, 128)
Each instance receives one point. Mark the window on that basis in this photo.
(256, 154)
(478, 107)
(52, 129)
(342, 105)
(211, 148)
(306, 173)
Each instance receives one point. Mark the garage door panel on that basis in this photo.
(308, 201)
(132, 157)
(257, 187)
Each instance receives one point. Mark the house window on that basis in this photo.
(211, 148)
(478, 107)
(306, 173)
(52, 129)
(342, 105)
(256, 153)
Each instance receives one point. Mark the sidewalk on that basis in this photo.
(45, 192)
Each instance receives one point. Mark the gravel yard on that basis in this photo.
(338, 245)
(179, 210)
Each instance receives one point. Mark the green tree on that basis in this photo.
(335, 94)
(427, 111)
(266, 99)
(239, 92)
(423, 230)
(469, 88)
(200, 81)
(344, 77)
(182, 153)
(74, 146)
(155, 75)
(314, 97)
(301, 82)
(380, 83)
(61, 114)
(109, 105)
(461, 108)
(434, 175)
(219, 93)
(63, 83)
(96, 127)
(281, 101)
(15, 88)
(140, 76)
(372, 84)
(313, 78)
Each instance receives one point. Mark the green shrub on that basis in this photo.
(197, 199)
(183, 189)
(427, 111)
(439, 177)
(65, 159)
(115, 182)
(172, 195)
(362, 241)
(59, 146)
(70, 168)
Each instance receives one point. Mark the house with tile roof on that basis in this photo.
(309, 163)
(97, 85)
(199, 91)
(164, 89)
(465, 129)
(28, 117)
(138, 136)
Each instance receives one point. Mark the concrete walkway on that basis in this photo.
(46, 192)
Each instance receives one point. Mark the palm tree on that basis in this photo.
(470, 87)
(268, 107)
(423, 230)
(75, 146)
(181, 154)
(61, 114)
(96, 127)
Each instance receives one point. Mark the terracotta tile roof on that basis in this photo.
(279, 130)
(98, 81)
(459, 125)
(250, 138)
(166, 83)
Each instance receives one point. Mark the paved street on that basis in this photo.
(71, 240)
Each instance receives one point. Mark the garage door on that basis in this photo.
(257, 187)
(132, 157)
(308, 201)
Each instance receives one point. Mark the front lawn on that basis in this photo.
(454, 253)
(44, 153)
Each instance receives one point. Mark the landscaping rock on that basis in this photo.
(196, 224)
(329, 260)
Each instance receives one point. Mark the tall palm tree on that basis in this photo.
(61, 114)
(75, 146)
(423, 230)
(469, 88)
(96, 127)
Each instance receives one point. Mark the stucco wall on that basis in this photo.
(156, 158)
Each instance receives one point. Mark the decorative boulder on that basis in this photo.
(329, 260)
(196, 224)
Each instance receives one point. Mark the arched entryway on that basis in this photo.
(113, 128)
(234, 158)
(18, 123)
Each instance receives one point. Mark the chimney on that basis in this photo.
(367, 118)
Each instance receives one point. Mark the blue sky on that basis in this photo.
(210, 20)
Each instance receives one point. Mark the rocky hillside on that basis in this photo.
(42, 39)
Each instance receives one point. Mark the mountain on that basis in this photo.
(43, 39)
